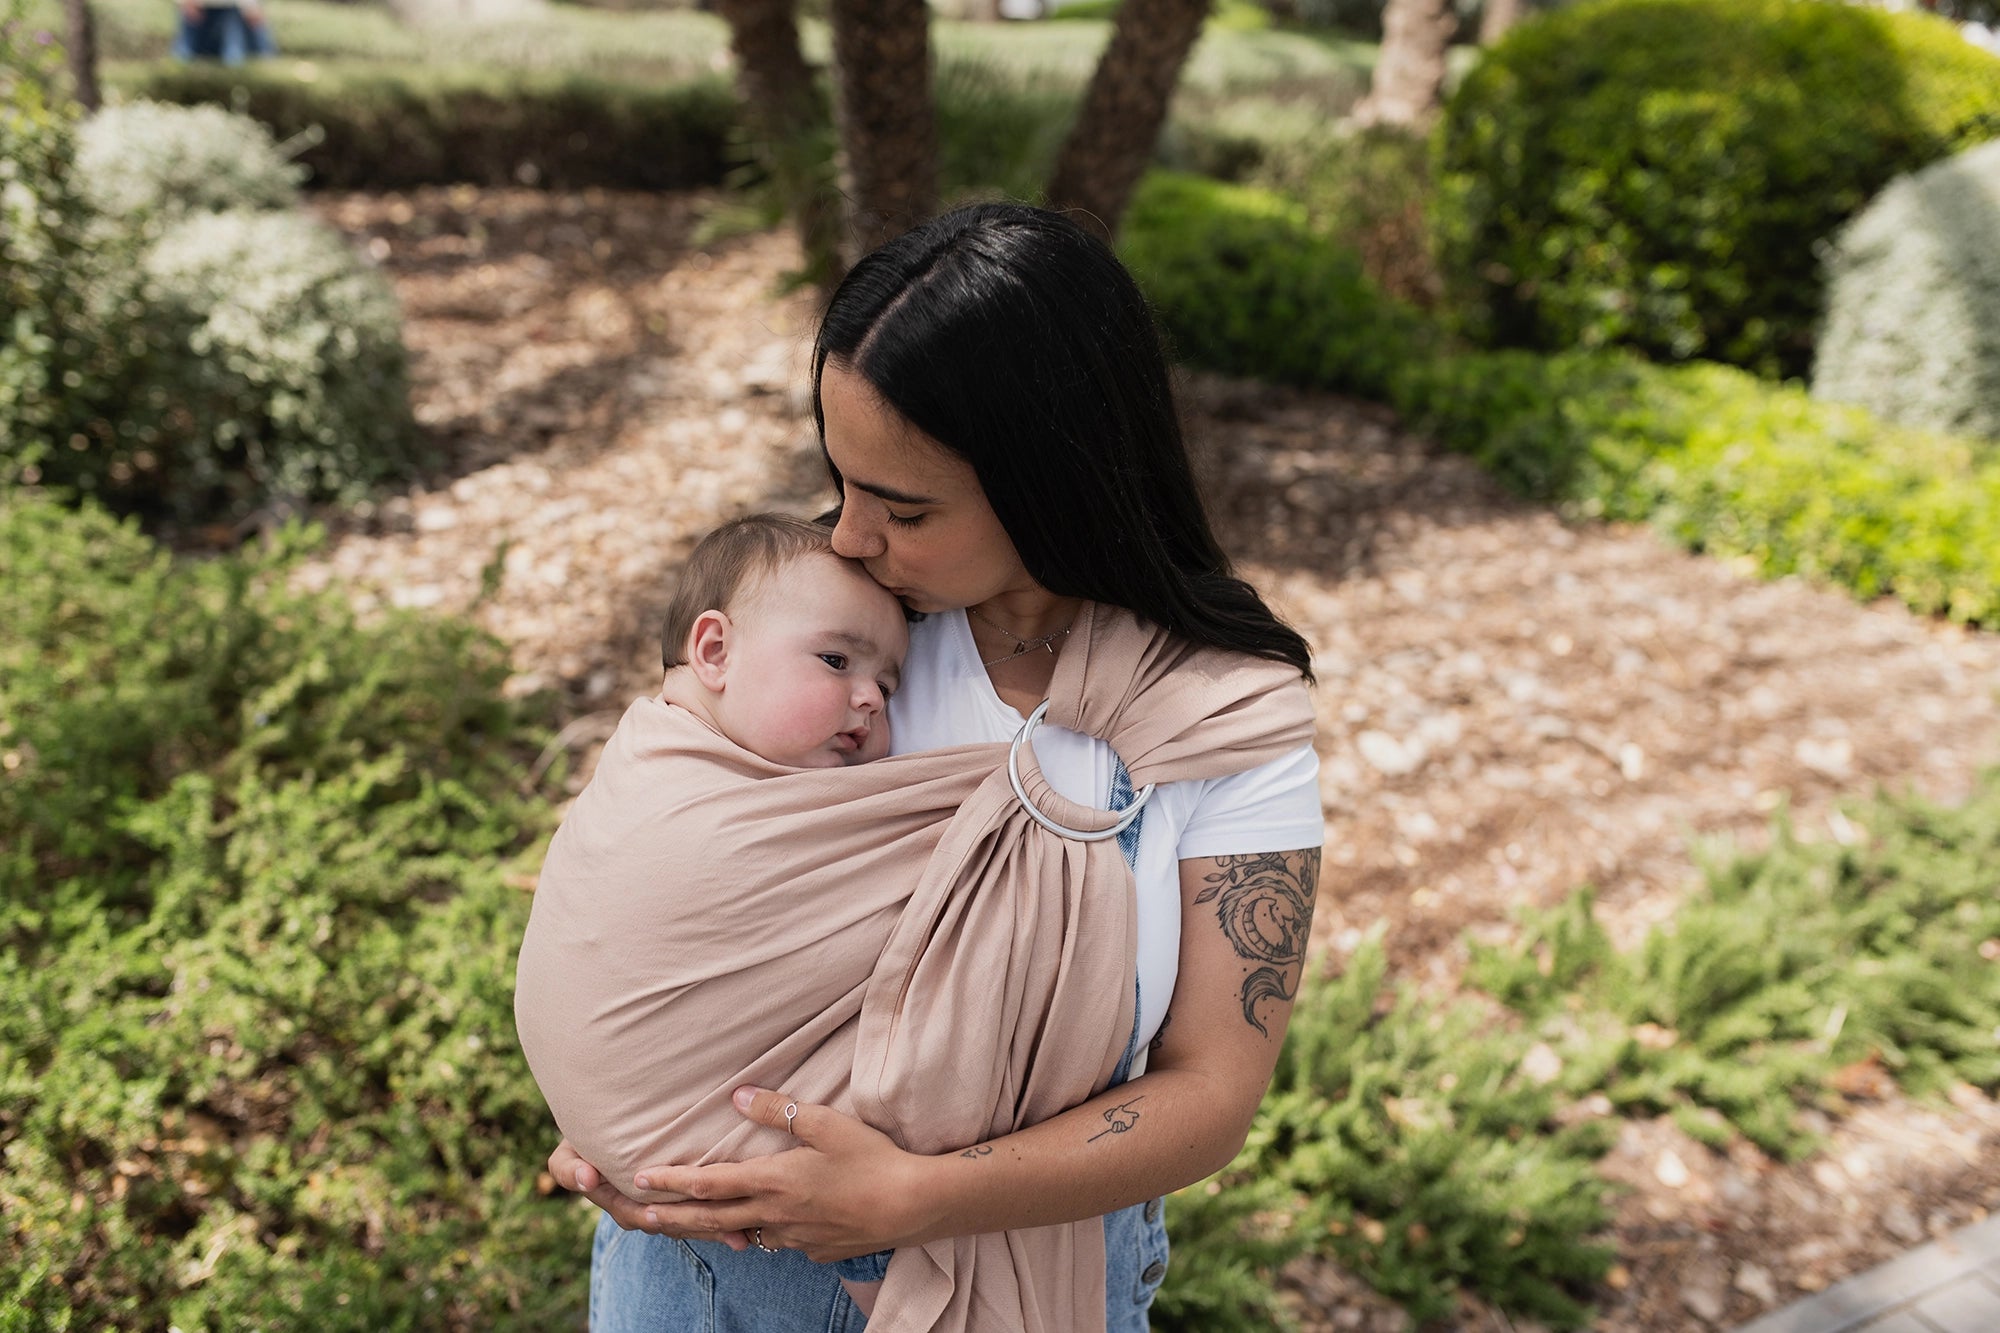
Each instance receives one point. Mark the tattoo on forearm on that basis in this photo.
(978, 1151)
(1266, 908)
(1118, 1119)
(1160, 1037)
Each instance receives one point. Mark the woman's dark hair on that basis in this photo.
(1017, 340)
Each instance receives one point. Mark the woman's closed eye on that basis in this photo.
(904, 520)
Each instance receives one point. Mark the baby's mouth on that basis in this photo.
(852, 740)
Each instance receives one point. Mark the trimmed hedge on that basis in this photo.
(1656, 173)
(385, 127)
(1242, 284)
(259, 906)
(1731, 465)
(1723, 461)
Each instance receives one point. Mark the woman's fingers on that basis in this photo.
(779, 1111)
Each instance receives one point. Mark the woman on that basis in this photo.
(994, 406)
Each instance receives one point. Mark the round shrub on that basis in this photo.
(1913, 310)
(152, 160)
(1657, 172)
(282, 374)
(1242, 284)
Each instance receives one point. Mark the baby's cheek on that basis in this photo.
(877, 744)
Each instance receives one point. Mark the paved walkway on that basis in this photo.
(1949, 1286)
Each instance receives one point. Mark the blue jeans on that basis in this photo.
(221, 32)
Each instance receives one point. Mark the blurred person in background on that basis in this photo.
(227, 30)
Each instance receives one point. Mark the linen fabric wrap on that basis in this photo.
(900, 940)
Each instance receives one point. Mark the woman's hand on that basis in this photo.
(580, 1177)
(847, 1189)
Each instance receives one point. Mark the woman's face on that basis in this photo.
(911, 511)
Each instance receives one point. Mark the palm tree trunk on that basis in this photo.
(1409, 73)
(789, 117)
(1499, 16)
(82, 25)
(888, 125)
(1112, 141)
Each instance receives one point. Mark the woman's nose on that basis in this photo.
(853, 539)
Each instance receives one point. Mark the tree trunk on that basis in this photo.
(1409, 72)
(1499, 16)
(1112, 141)
(789, 117)
(888, 124)
(82, 24)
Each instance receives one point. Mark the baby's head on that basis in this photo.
(784, 647)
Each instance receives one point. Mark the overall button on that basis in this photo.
(1154, 1272)
(1152, 1210)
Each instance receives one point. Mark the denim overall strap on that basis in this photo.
(1135, 1238)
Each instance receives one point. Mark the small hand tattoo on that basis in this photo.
(1266, 911)
(1118, 1119)
(978, 1151)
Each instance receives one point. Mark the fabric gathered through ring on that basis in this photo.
(1126, 817)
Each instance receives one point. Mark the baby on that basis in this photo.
(782, 646)
(783, 649)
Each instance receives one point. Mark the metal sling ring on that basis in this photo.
(1125, 817)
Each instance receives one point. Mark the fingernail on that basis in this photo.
(652, 1218)
(743, 1097)
(586, 1178)
(642, 1182)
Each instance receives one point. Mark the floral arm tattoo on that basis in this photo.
(1264, 904)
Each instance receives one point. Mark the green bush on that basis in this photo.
(1425, 1159)
(286, 377)
(257, 1058)
(387, 126)
(195, 365)
(1731, 465)
(1913, 311)
(1242, 284)
(149, 160)
(1633, 172)
(1792, 963)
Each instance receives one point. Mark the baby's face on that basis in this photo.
(815, 651)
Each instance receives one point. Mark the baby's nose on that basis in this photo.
(868, 698)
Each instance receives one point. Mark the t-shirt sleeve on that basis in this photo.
(1271, 808)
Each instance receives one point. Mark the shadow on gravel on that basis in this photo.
(1307, 482)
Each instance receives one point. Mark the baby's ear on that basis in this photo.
(708, 650)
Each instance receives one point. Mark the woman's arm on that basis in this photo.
(849, 1190)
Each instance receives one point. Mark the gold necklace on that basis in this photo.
(1021, 646)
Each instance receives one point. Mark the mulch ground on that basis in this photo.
(1510, 706)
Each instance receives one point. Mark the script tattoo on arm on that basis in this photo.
(1264, 903)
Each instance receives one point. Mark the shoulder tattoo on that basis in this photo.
(1264, 904)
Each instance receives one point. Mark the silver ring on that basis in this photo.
(791, 1114)
(1125, 816)
(757, 1239)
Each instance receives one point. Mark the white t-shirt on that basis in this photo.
(946, 698)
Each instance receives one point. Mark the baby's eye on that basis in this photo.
(838, 661)
(888, 687)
